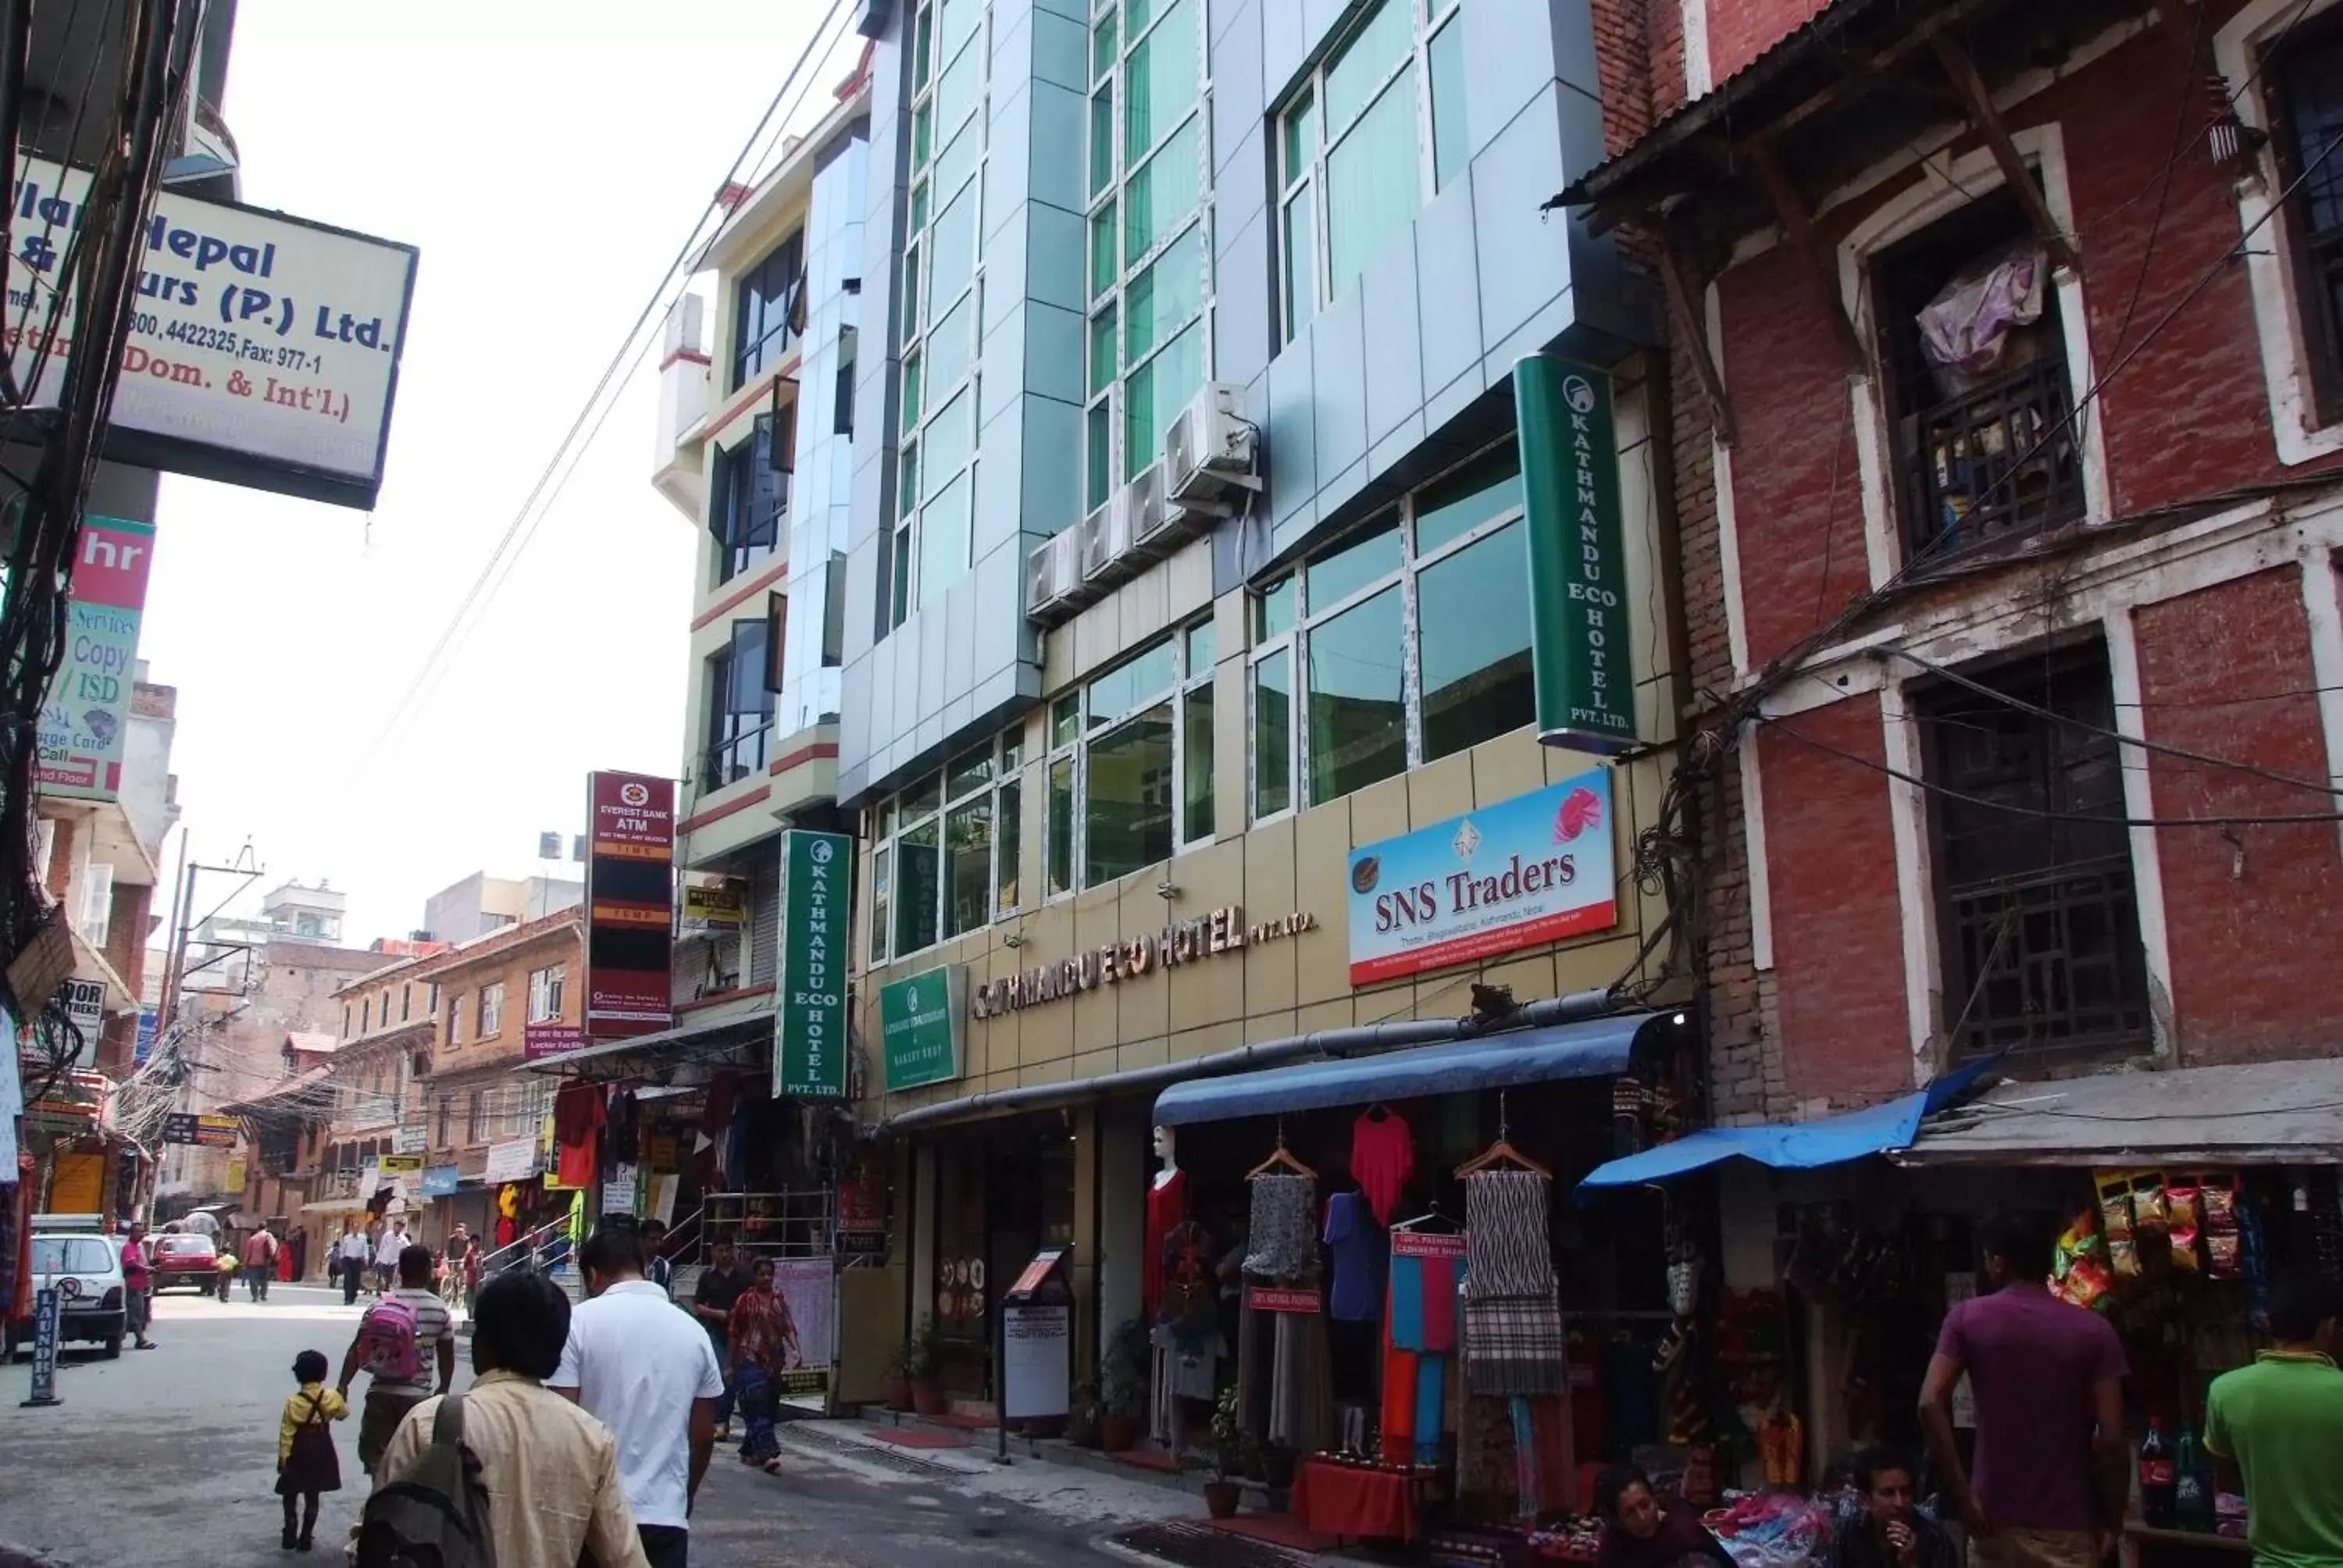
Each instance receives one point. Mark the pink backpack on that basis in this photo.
(390, 1337)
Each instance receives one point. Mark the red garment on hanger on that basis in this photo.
(1383, 1157)
(1167, 1205)
(577, 1112)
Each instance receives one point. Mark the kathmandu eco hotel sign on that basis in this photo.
(809, 1010)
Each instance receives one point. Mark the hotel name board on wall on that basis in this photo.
(1209, 935)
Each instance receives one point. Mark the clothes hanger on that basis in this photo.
(1503, 1150)
(1281, 1159)
(1428, 1219)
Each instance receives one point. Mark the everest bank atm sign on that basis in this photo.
(1536, 869)
(629, 904)
(263, 349)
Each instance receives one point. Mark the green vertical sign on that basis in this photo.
(920, 1027)
(1579, 633)
(809, 989)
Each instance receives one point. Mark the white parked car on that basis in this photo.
(86, 1267)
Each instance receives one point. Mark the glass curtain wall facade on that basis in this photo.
(942, 305)
(1149, 259)
(821, 488)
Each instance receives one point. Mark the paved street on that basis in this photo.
(166, 1458)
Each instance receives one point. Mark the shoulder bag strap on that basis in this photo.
(447, 1425)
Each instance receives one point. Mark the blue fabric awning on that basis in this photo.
(1596, 1047)
(1794, 1145)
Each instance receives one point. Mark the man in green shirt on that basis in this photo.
(2279, 1424)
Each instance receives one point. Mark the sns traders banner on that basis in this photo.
(86, 710)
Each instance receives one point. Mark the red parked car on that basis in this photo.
(186, 1260)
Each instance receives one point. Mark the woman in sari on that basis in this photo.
(760, 1337)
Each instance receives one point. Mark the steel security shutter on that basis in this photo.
(764, 927)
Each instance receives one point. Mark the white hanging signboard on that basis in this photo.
(263, 349)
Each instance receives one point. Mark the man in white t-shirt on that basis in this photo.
(644, 1370)
(395, 1241)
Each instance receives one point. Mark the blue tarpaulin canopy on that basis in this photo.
(1794, 1145)
(1593, 1049)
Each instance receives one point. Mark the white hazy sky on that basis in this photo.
(547, 157)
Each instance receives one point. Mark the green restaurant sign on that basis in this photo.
(920, 1027)
(1579, 633)
(809, 992)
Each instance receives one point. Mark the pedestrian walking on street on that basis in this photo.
(307, 1464)
(398, 1341)
(721, 1285)
(643, 1370)
(395, 1241)
(2275, 1428)
(259, 1261)
(764, 1342)
(2050, 1482)
(352, 1254)
(657, 1267)
(137, 1286)
(550, 1469)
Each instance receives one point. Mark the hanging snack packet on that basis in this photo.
(2182, 1202)
(2218, 1200)
(2221, 1254)
(2149, 1212)
(2115, 1204)
(2087, 1284)
(2124, 1257)
(2184, 1250)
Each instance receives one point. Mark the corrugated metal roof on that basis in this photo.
(2252, 1113)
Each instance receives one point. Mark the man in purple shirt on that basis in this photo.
(2047, 1378)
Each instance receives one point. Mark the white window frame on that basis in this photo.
(1943, 189)
(2279, 335)
(1310, 184)
(492, 1009)
(1294, 640)
(1003, 788)
(455, 1019)
(922, 204)
(1105, 394)
(545, 987)
(1073, 752)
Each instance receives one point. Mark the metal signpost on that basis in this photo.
(45, 1308)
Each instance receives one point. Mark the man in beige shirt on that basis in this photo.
(551, 1470)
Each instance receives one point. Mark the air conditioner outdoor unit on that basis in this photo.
(1156, 527)
(1044, 591)
(1106, 542)
(1209, 450)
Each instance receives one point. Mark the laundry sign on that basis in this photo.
(1536, 869)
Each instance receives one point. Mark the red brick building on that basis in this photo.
(2027, 669)
(2006, 406)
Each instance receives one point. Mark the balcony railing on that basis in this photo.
(734, 757)
(1998, 463)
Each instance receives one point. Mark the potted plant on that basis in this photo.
(1221, 1493)
(923, 1366)
(1082, 1416)
(895, 1392)
(1122, 1387)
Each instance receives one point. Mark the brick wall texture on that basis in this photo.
(2253, 967)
